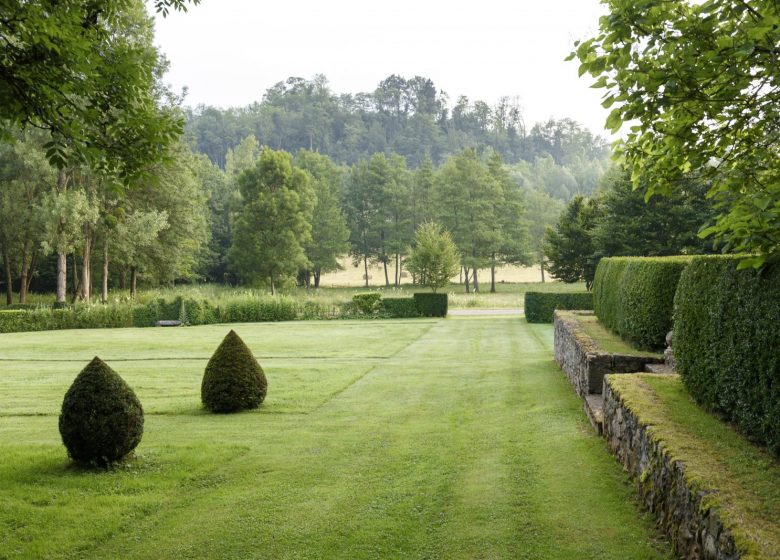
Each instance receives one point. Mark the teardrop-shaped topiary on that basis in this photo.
(233, 379)
(101, 420)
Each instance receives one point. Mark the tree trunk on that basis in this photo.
(104, 291)
(86, 265)
(541, 265)
(493, 275)
(9, 279)
(133, 282)
(123, 280)
(24, 273)
(62, 276)
(273, 286)
(365, 268)
(317, 274)
(76, 282)
(387, 278)
(33, 264)
(466, 279)
(475, 279)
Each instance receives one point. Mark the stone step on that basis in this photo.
(658, 368)
(594, 408)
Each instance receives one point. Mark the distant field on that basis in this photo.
(420, 439)
(353, 276)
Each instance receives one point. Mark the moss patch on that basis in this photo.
(744, 479)
(607, 340)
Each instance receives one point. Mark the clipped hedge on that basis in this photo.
(198, 311)
(726, 341)
(82, 317)
(634, 297)
(431, 305)
(398, 308)
(539, 306)
(367, 303)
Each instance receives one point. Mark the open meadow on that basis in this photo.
(454, 438)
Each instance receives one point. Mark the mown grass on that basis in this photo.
(608, 340)
(743, 480)
(454, 438)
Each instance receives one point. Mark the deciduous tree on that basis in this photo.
(274, 223)
(434, 258)
(699, 85)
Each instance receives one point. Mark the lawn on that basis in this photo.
(456, 438)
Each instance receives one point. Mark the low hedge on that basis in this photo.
(539, 306)
(196, 312)
(193, 311)
(726, 341)
(398, 308)
(634, 297)
(80, 317)
(367, 303)
(431, 305)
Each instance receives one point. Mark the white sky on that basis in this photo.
(228, 52)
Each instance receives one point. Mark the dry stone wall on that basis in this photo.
(584, 362)
(694, 529)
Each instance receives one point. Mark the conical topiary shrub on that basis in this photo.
(101, 419)
(233, 379)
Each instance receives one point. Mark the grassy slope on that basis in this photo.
(715, 457)
(457, 438)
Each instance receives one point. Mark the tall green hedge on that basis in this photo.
(634, 297)
(539, 306)
(727, 343)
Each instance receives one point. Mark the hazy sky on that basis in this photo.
(228, 52)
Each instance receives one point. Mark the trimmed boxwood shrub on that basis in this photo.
(101, 419)
(233, 379)
(634, 297)
(539, 306)
(431, 305)
(398, 308)
(726, 341)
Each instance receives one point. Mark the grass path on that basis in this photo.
(456, 439)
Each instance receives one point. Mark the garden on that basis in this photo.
(301, 323)
(383, 438)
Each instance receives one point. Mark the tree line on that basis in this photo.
(284, 217)
(408, 117)
(618, 221)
